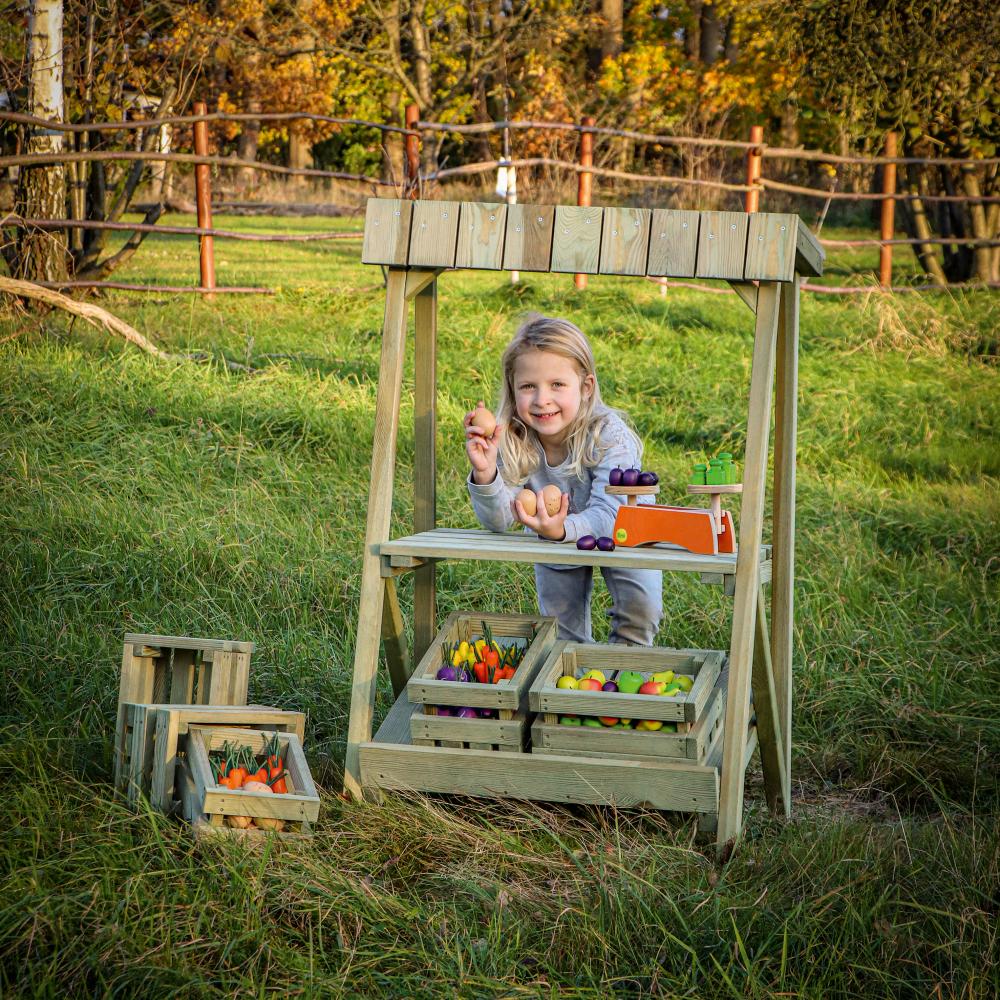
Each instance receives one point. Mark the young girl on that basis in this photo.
(553, 428)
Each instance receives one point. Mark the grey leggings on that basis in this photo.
(564, 593)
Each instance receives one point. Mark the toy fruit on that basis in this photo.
(598, 675)
(685, 682)
(648, 479)
(606, 544)
(569, 720)
(609, 686)
(663, 676)
(630, 477)
(567, 682)
(629, 682)
(552, 498)
(468, 713)
(671, 690)
(445, 710)
(586, 542)
(649, 725)
(592, 722)
(607, 722)
(588, 684)
(651, 687)
(447, 674)
(484, 420)
(669, 727)
(615, 477)
(528, 501)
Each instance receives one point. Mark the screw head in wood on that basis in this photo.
(493, 218)
(396, 213)
(539, 218)
(711, 236)
(614, 232)
(684, 225)
(733, 226)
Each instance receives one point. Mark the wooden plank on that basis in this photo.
(434, 234)
(380, 489)
(487, 731)
(480, 235)
(576, 243)
(387, 231)
(220, 678)
(783, 572)
(394, 638)
(425, 471)
(772, 753)
(186, 642)
(528, 241)
(182, 676)
(810, 256)
(747, 291)
(748, 570)
(673, 243)
(670, 785)
(162, 780)
(771, 247)
(722, 244)
(625, 240)
(471, 543)
(240, 680)
(417, 279)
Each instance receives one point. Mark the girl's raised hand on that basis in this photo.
(482, 450)
(542, 523)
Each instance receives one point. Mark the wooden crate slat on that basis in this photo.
(481, 228)
(625, 240)
(809, 253)
(434, 234)
(186, 642)
(576, 241)
(511, 732)
(771, 247)
(722, 243)
(387, 231)
(528, 241)
(673, 243)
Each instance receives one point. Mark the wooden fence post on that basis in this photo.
(888, 213)
(203, 197)
(585, 183)
(412, 146)
(755, 162)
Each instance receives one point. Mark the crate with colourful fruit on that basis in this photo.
(478, 670)
(626, 699)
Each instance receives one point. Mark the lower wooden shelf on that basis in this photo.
(392, 763)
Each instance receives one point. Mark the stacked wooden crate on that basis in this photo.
(504, 722)
(180, 698)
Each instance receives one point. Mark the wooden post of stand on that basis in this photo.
(755, 163)
(412, 159)
(203, 197)
(424, 470)
(888, 213)
(585, 182)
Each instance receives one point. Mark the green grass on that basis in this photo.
(186, 498)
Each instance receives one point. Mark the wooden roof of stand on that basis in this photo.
(732, 246)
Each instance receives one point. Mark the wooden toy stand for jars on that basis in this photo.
(761, 256)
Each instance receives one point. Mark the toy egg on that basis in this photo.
(553, 499)
(528, 501)
(484, 420)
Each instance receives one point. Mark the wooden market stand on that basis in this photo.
(761, 256)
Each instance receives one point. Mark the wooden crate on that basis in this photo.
(537, 633)
(181, 670)
(206, 801)
(502, 735)
(150, 737)
(577, 658)
(632, 744)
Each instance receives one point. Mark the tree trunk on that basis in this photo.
(246, 144)
(977, 214)
(612, 33)
(692, 34)
(392, 143)
(710, 42)
(41, 255)
(919, 227)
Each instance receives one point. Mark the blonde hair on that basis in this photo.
(520, 448)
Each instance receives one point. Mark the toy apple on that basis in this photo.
(606, 721)
(649, 725)
(596, 674)
(663, 676)
(588, 684)
(569, 720)
(651, 687)
(592, 722)
(567, 682)
(685, 682)
(629, 681)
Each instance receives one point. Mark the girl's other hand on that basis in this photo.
(482, 450)
(544, 524)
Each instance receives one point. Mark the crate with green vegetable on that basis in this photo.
(245, 779)
(596, 737)
(482, 661)
(643, 689)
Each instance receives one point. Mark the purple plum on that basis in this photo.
(445, 710)
(648, 478)
(630, 477)
(447, 674)
(586, 542)
(610, 686)
(615, 477)
(606, 544)
(467, 713)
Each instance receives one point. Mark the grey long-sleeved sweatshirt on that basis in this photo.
(591, 510)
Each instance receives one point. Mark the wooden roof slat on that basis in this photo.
(771, 247)
(625, 240)
(387, 231)
(480, 235)
(576, 244)
(673, 243)
(722, 244)
(528, 243)
(434, 234)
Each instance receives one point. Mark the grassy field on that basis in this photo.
(190, 498)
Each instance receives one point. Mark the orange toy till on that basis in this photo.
(692, 528)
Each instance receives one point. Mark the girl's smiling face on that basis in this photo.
(548, 393)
